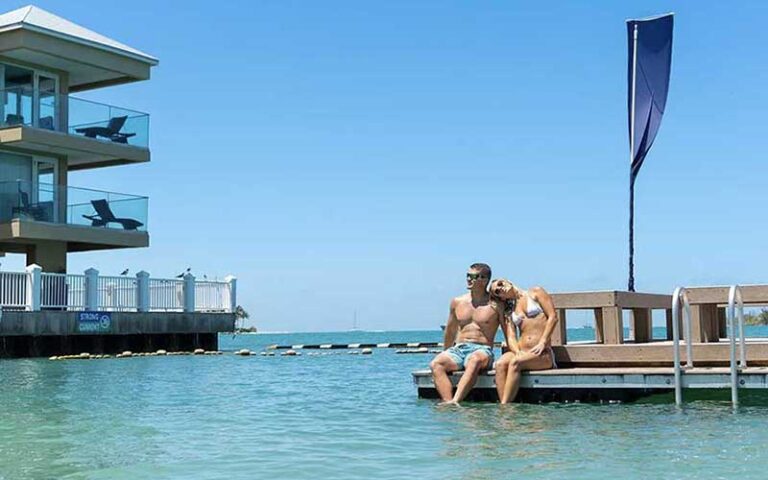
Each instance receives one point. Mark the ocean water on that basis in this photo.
(340, 417)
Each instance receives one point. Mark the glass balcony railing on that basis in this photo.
(74, 116)
(73, 206)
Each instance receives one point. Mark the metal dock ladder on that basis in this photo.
(681, 295)
(735, 311)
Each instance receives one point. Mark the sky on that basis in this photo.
(347, 157)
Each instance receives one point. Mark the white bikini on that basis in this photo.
(532, 309)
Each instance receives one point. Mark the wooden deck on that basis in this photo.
(607, 307)
(590, 385)
(655, 354)
(707, 312)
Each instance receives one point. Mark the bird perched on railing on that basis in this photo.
(181, 275)
(124, 272)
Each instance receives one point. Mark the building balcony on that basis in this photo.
(89, 134)
(85, 219)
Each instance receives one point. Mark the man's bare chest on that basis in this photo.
(467, 313)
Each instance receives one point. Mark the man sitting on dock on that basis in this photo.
(476, 320)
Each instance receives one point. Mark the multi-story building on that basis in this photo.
(46, 132)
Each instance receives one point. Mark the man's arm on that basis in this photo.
(543, 298)
(451, 327)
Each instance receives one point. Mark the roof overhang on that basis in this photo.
(88, 66)
(34, 36)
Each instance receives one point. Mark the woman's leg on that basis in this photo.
(501, 371)
(522, 362)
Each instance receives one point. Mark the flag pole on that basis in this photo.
(631, 281)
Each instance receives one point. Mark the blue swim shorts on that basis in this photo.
(461, 352)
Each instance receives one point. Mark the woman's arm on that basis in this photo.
(545, 300)
(508, 328)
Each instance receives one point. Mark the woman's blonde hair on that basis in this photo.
(506, 306)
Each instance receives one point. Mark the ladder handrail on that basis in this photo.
(681, 294)
(736, 306)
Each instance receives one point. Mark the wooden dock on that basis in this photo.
(610, 385)
(341, 346)
(654, 354)
(617, 369)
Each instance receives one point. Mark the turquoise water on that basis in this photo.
(338, 416)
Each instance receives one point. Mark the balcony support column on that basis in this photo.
(62, 192)
(51, 255)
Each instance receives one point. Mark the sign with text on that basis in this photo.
(94, 322)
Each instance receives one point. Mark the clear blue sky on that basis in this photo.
(348, 155)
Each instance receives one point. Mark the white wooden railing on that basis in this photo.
(212, 296)
(166, 294)
(35, 290)
(13, 290)
(117, 294)
(62, 291)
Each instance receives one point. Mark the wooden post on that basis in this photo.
(613, 330)
(669, 324)
(559, 335)
(232, 281)
(713, 330)
(722, 323)
(641, 318)
(697, 329)
(704, 328)
(189, 292)
(92, 290)
(34, 287)
(142, 291)
(599, 328)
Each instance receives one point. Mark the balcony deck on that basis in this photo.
(89, 134)
(84, 219)
(16, 234)
(81, 152)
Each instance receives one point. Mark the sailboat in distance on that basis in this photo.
(354, 322)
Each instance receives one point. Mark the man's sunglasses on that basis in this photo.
(475, 276)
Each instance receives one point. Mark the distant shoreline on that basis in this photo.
(435, 330)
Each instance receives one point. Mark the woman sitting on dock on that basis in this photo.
(534, 314)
